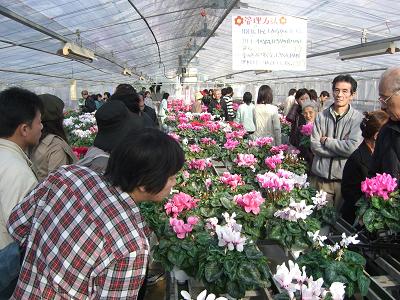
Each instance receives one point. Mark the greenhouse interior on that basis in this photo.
(188, 149)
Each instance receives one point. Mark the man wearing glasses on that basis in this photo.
(386, 157)
(336, 135)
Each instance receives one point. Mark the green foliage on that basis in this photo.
(379, 214)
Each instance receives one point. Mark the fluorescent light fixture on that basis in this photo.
(126, 72)
(76, 52)
(362, 50)
(191, 79)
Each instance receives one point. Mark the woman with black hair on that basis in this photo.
(245, 113)
(53, 150)
(266, 117)
(357, 166)
(295, 116)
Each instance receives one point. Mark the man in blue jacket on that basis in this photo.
(336, 135)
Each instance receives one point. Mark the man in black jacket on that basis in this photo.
(148, 110)
(386, 157)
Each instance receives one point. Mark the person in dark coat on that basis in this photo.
(309, 111)
(357, 166)
(386, 158)
(150, 112)
(295, 116)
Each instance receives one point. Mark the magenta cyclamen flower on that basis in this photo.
(212, 126)
(207, 141)
(245, 160)
(200, 164)
(178, 203)
(205, 117)
(277, 149)
(273, 161)
(194, 148)
(181, 228)
(261, 142)
(380, 186)
(250, 202)
(231, 144)
(235, 134)
(307, 129)
(233, 180)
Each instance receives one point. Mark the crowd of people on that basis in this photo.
(72, 229)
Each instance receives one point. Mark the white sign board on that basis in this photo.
(269, 43)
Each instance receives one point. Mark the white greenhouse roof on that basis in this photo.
(121, 35)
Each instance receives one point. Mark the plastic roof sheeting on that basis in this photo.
(120, 38)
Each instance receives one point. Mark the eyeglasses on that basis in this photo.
(385, 99)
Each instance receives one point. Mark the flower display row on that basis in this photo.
(210, 226)
(81, 128)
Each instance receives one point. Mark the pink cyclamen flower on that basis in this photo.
(250, 202)
(181, 228)
(205, 117)
(280, 181)
(261, 142)
(200, 164)
(208, 183)
(245, 160)
(207, 141)
(178, 203)
(235, 134)
(212, 126)
(231, 144)
(174, 136)
(233, 180)
(277, 149)
(273, 161)
(195, 148)
(186, 174)
(381, 186)
(307, 129)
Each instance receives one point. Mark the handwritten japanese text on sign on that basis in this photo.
(269, 43)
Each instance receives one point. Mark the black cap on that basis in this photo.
(114, 120)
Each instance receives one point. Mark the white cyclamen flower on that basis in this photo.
(313, 289)
(346, 241)
(317, 238)
(227, 236)
(320, 199)
(337, 290)
(333, 248)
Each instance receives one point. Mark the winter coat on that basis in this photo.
(267, 122)
(343, 137)
(296, 117)
(386, 158)
(51, 153)
(355, 171)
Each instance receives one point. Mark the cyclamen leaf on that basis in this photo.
(213, 271)
(363, 284)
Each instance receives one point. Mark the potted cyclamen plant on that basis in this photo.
(336, 263)
(379, 208)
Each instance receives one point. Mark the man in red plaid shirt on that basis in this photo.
(83, 233)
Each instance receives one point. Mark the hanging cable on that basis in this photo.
(154, 36)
